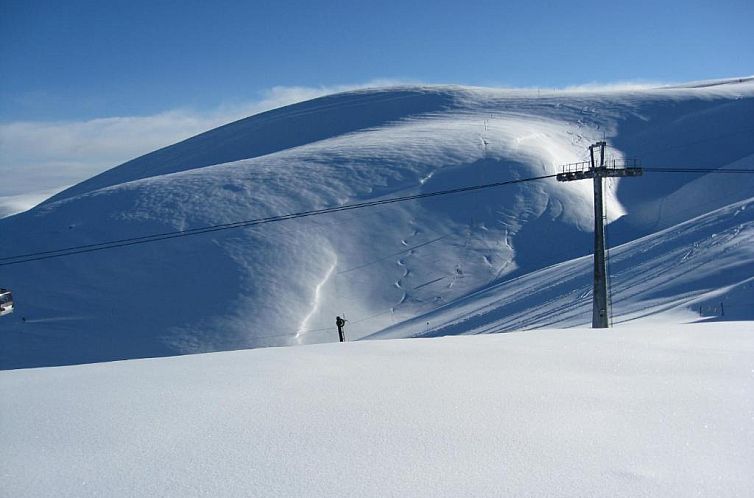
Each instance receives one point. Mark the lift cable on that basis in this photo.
(699, 170)
(68, 251)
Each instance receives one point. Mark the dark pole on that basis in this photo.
(599, 302)
(340, 322)
(573, 172)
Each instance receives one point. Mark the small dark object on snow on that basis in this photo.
(340, 322)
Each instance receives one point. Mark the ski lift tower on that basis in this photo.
(582, 171)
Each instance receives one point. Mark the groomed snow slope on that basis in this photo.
(284, 283)
(647, 411)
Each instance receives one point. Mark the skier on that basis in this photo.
(340, 322)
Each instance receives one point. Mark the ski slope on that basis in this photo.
(384, 268)
(685, 271)
(633, 411)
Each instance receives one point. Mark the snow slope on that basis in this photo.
(633, 411)
(686, 271)
(284, 283)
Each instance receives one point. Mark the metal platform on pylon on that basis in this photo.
(583, 170)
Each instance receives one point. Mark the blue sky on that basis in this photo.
(75, 60)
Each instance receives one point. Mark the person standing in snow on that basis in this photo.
(340, 323)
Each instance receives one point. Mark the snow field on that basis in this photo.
(642, 411)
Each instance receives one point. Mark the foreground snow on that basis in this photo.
(631, 411)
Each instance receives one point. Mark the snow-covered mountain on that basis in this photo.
(510, 257)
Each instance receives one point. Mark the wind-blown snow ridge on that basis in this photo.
(254, 287)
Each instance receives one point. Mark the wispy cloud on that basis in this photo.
(39, 159)
(13, 204)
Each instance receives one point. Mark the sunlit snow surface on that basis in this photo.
(702, 269)
(385, 268)
(656, 410)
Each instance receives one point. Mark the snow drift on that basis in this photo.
(284, 283)
(633, 411)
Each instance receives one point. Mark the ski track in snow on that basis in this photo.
(302, 329)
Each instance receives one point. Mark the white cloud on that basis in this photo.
(39, 159)
(13, 204)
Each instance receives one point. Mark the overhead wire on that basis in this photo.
(87, 248)
(28, 257)
(68, 251)
(322, 329)
(699, 170)
(398, 253)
